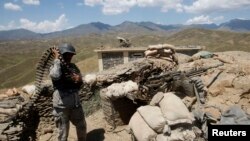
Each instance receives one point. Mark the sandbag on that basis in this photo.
(118, 90)
(153, 117)
(140, 128)
(8, 103)
(9, 111)
(150, 52)
(162, 137)
(156, 99)
(3, 96)
(29, 89)
(174, 110)
(179, 134)
(161, 46)
(90, 79)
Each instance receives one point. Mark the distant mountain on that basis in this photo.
(144, 27)
(236, 25)
(213, 40)
(128, 26)
(125, 27)
(17, 34)
(151, 26)
(95, 27)
(160, 27)
(203, 26)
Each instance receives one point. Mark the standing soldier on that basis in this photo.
(67, 80)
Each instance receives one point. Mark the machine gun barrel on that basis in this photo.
(173, 74)
(202, 70)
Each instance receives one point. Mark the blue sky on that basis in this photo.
(45, 16)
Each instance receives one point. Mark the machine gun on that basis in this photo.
(124, 42)
(175, 80)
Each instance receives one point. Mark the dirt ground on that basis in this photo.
(97, 130)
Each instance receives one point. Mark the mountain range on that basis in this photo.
(236, 25)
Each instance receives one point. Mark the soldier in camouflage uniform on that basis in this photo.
(67, 79)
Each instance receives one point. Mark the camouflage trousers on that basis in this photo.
(63, 117)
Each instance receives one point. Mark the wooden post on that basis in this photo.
(100, 62)
(125, 56)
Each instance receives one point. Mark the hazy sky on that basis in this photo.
(52, 15)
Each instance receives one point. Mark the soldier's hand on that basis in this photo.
(76, 77)
(55, 51)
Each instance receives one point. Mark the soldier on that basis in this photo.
(124, 42)
(67, 80)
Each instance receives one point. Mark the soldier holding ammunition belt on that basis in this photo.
(67, 80)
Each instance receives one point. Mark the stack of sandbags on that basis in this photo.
(162, 51)
(165, 119)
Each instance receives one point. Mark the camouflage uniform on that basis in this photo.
(66, 102)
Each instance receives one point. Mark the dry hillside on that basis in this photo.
(22, 55)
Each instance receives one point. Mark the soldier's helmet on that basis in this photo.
(67, 48)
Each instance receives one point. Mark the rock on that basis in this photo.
(45, 137)
(214, 112)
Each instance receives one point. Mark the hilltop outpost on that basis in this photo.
(108, 58)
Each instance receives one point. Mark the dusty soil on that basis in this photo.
(98, 130)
